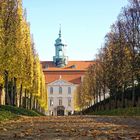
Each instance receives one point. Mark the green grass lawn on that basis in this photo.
(133, 111)
(10, 112)
(7, 115)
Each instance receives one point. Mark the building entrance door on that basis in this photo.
(60, 111)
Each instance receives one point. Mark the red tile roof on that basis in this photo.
(71, 73)
(71, 66)
(73, 77)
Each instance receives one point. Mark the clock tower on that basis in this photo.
(60, 59)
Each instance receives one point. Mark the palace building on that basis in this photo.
(62, 78)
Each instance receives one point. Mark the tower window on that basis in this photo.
(60, 90)
(51, 90)
(60, 53)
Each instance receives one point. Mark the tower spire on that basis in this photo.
(60, 59)
(60, 31)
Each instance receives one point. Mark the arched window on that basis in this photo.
(51, 90)
(60, 90)
(69, 90)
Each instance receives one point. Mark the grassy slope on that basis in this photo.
(7, 115)
(135, 111)
(10, 112)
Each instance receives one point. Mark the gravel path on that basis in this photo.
(71, 128)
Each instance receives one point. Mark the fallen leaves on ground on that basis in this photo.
(71, 127)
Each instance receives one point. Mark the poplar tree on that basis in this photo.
(21, 71)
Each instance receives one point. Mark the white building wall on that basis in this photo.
(65, 96)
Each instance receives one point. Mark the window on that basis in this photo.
(69, 101)
(60, 102)
(60, 90)
(51, 102)
(73, 66)
(60, 53)
(51, 90)
(69, 90)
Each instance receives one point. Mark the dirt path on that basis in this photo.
(71, 128)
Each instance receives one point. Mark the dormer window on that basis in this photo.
(73, 66)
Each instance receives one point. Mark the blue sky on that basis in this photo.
(84, 25)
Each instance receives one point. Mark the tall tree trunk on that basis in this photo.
(123, 97)
(94, 99)
(11, 92)
(20, 96)
(0, 94)
(31, 97)
(15, 92)
(110, 99)
(115, 96)
(99, 96)
(133, 94)
(25, 98)
(104, 98)
(99, 100)
(116, 105)
(28, 100)
(7, 98)
(104, 93)
(37, 105)
(109, 103)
